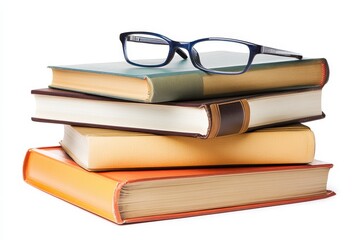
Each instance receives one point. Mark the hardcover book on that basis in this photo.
(98, 149)
(148, 195)
(180, 80)
(204, 118)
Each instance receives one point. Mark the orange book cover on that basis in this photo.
(51, 170)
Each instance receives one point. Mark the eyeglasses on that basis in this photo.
(211, 55)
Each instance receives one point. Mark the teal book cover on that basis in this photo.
(180, 80)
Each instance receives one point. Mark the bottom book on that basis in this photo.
(149, 195)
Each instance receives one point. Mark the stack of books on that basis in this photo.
(144, 144)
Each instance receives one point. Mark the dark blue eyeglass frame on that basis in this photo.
(175, 47)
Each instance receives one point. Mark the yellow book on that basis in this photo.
(104, 149)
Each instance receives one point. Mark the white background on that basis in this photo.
(35, 34)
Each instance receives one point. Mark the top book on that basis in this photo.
(180, 80)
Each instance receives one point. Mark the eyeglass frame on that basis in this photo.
(175, 47)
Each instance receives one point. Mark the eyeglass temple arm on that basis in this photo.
(279, 52)
(155, 41)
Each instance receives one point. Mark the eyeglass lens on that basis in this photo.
(218, 55)
(225, 56)
(140, 48)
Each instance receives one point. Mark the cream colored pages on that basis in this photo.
(187, 194)
(284, 107)
(267, 78)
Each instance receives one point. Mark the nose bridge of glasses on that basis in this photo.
(178, 45)
(192, 51)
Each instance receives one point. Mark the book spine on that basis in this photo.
(176, 87)
(229, 118)
(86, 190)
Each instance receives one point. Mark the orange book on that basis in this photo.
(148, 195)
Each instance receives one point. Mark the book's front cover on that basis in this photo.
(176, 66)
